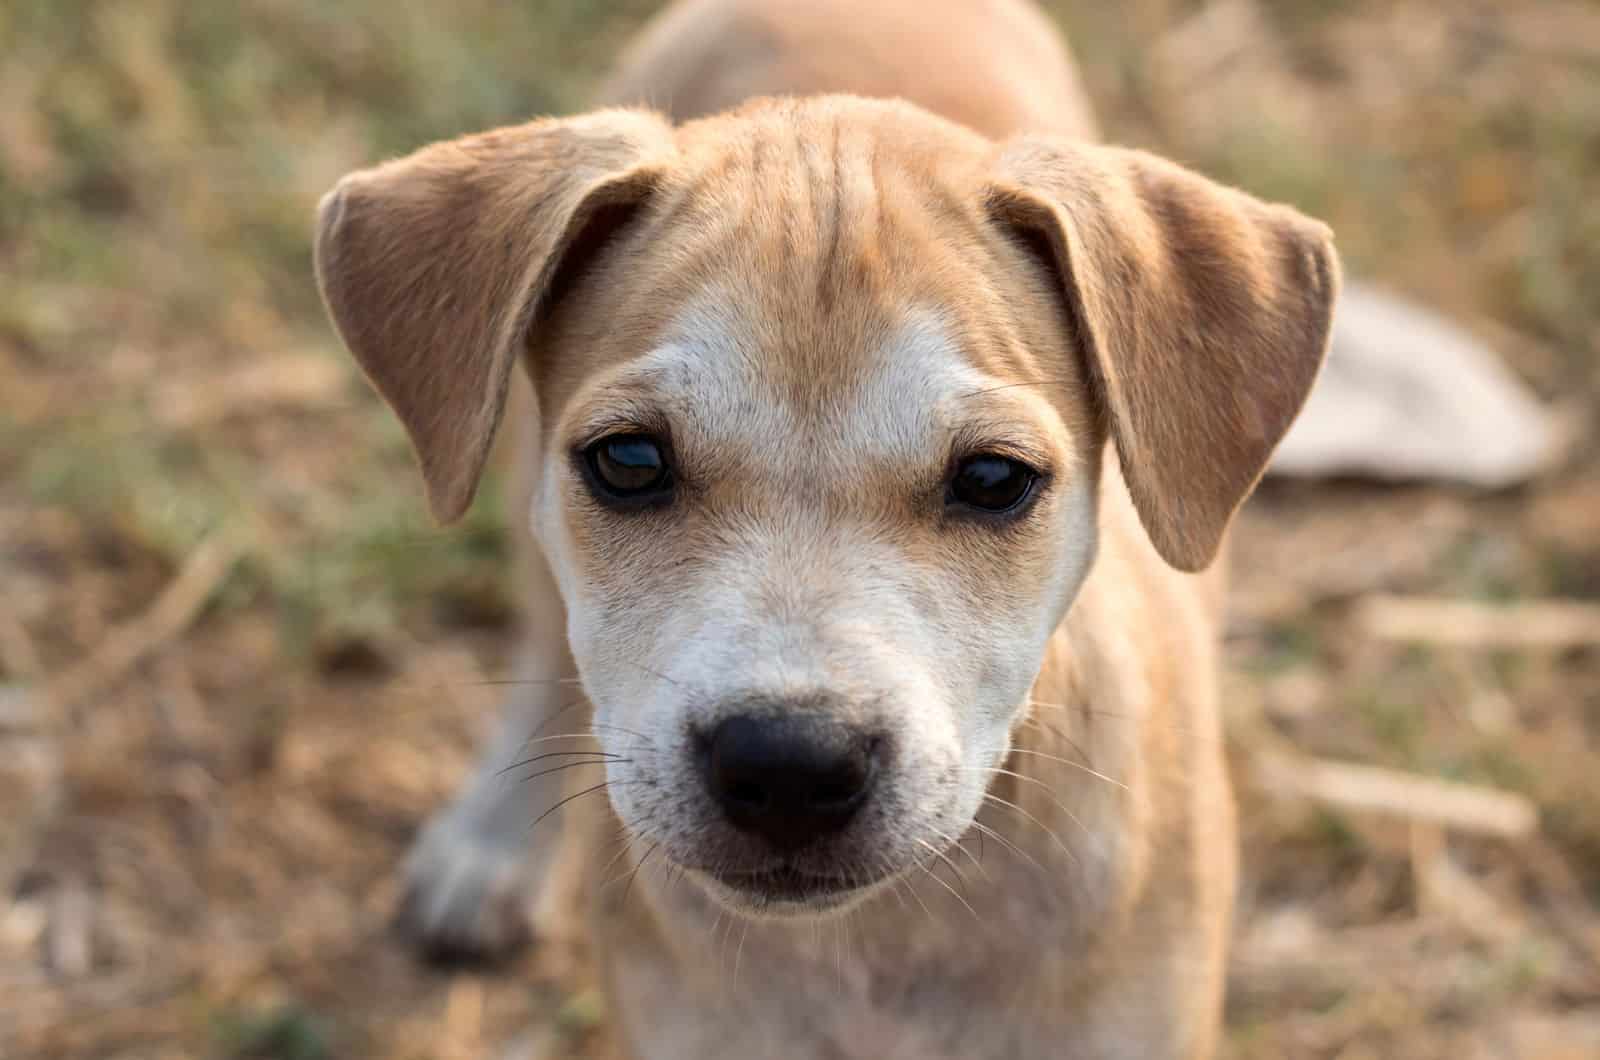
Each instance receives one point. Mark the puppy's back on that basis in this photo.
(997, 66)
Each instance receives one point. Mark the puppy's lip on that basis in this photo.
(786, 883)
(785, 889)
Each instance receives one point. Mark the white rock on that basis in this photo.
(1407, 395)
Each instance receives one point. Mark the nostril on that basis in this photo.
(846, 785)
(826, 795)
(746, 793)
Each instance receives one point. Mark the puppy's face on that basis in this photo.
(822, 390)
(815, 504)
(809, 571)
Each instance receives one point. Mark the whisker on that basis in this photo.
(722, 911)
(624, 844)
(551, 754)
(997, 800)
(546, 723)
(1069, 762)
(942, 856)
(952, 841)
(436, 686)
(722, 953)
(915, 894)
(619, 728)
(583, 735)
(1038, 722)
(569, 798)
(571, 765)
(534, 736)
(1049, 793)
(1013, 386)
(953, 893)
(985, 830)
(635, 874)
(568, 736)
(558, 736)
(674, 873)
(738, 954)
(894, 889)
(1097, 712)
(976, 859)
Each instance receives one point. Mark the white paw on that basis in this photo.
(468, 891)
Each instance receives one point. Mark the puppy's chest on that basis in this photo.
(846, 992)
(848, 1013)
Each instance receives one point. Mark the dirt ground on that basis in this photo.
(237, 667)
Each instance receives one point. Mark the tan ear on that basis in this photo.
(1202, 313)
(435, 266)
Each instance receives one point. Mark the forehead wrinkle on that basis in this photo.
(754, 359)
(828, 266)
(810, 243)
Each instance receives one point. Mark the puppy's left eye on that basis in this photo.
(991, 483)
(628, 469)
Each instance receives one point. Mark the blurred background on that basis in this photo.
(238, 667)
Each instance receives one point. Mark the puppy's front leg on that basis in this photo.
(474, 876)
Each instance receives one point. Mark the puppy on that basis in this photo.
(873, 435)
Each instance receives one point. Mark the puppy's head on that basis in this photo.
(823, 388)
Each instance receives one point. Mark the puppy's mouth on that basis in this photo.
(784, 889)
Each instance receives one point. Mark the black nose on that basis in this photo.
(789, 780)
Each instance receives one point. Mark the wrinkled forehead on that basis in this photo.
(835, 287)
(900, 391)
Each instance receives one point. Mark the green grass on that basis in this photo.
(156, 193)
(286, 1032)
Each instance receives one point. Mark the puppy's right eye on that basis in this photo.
(628, 469)
(992, 484)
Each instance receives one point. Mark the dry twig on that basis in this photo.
(1464, 807)
(168, 617)
(1535, 623)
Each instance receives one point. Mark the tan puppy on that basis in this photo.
(867, 453)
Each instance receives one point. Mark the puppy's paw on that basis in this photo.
(468, 895)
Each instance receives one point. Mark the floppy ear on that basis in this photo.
(1202, 314)
(434, 267)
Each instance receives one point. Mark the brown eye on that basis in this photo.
(991, 483)
(628, 468)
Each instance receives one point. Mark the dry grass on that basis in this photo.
(199, 842)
